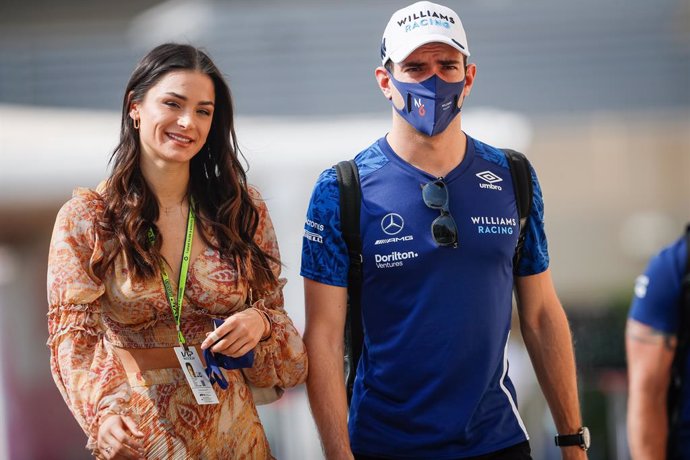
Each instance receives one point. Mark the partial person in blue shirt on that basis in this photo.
(651, 341)
(439, 227)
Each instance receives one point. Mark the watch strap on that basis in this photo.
(569, 439)
(580, 439)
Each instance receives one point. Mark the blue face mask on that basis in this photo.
(431, 105)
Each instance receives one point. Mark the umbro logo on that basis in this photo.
(490, 179)
(488, 176)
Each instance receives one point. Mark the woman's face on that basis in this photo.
(175, 117)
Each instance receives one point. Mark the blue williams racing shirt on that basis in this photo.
(433, 379)
(655, 303)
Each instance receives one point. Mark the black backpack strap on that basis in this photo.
(675, 391)
(350, 202)
(521, 173)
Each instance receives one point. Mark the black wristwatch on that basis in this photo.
(581, 439)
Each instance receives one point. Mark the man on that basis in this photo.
(651, 339)
(439, 227)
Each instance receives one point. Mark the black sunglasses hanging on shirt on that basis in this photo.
(443, 228)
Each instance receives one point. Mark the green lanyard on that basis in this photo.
(176, 306)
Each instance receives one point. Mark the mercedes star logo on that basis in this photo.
(392, 224)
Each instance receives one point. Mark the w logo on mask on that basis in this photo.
(420, 107)
(441, 96)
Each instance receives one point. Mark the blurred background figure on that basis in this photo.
(656, 339)
(596, 93)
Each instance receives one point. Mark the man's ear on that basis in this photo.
(470, 73)
(384, 81)
(388, 88)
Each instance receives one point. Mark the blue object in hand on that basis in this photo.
(214, 361)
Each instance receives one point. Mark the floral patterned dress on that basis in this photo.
(88, 316)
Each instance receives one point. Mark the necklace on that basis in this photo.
(169, 210)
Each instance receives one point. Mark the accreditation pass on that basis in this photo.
(196, 377)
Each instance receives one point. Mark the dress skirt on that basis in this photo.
(176, 427)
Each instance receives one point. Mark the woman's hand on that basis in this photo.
(119, 437)
(239, 334)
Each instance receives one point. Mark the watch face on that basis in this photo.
(585, 437)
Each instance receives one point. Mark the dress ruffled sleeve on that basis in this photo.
(89, 376)
(280, 360)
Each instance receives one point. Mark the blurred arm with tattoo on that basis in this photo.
(650, 355)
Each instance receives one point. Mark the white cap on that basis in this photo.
(419, 24)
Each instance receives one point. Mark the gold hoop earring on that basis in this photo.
(136, 123)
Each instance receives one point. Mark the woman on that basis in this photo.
(175, 220)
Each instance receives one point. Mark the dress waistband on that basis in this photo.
(159, 333)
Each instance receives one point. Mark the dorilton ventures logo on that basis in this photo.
(394, 259)
(490, 180)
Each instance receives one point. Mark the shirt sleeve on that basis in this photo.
(281, 360)
(534, 257)
(657, 291)
(87, 373)
(324, 252)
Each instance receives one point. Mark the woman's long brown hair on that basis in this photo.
(218, 182)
